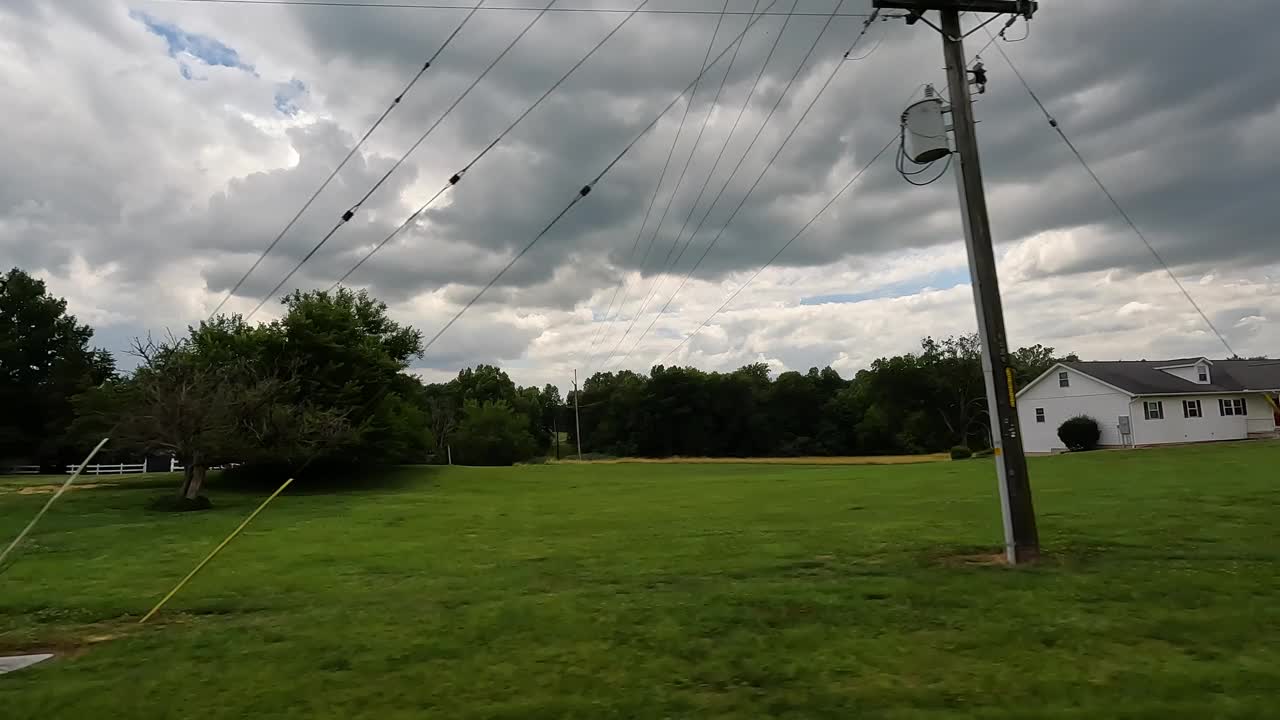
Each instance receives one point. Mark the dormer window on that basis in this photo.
(1195, 370)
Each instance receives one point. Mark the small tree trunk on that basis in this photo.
(196, 483)
(188, 471)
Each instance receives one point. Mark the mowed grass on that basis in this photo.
(666, 591)
(814, 460)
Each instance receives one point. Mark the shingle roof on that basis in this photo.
(1142, 377)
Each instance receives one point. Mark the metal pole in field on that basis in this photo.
(577, 420)
(1022, 542)
(53, 497)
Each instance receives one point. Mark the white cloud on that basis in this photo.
(141, 195)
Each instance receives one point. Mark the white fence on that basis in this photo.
(110, 469)
(105, 468)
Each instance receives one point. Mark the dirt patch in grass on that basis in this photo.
(60, 646)
(973, 559)
(47, 489)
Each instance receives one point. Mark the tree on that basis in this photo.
(491, 433)
(208, 409)
(45, 361)
(954, 369)
(440, 409)
(347, 356)
(1030, 363)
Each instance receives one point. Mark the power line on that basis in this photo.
(586, 189)
(1053, 123)
(896, 138)
(377, 184)
(351, 153)
(818, 95)
(604, 329)
(457, 177)
(497, 8)
(667, 263)
(782, 249)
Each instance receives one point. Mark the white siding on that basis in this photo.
(1261, 418)
(1174, 428)
(1085, 396)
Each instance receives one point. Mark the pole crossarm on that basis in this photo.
(1026, 8)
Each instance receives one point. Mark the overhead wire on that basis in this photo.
(858, 175)
(350, 154)
(350, 213)
(684, 172)
(494, 8)
(768, 164)
(586, 189)
(1053, 123)
(667, 164)
(458, 176)
(821, 211)
(667, 262)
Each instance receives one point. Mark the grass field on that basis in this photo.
(665, 591)
(815, 460)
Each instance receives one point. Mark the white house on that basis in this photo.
(1148, 402)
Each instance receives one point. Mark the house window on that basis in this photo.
(1153, 409)
(1191, 409)
(1039, 414)
(1064, 380)
(1204, 375)
(1232, 406)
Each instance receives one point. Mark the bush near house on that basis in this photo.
(960, 452)
(1080, 433)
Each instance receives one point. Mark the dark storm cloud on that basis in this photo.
(113, 158)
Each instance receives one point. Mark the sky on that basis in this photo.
(151, 150)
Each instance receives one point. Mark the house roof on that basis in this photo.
(1143, 377)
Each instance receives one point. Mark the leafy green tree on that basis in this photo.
(485, 383)
(45, 361)
(491, 433)
(348, 356)
(1031, 362)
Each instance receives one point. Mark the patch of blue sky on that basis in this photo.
(183, 45)
(944, 280)
(289, 95)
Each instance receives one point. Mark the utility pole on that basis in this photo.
(1022, 541)
(577, 420)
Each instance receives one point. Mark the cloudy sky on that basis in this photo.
(151, 149)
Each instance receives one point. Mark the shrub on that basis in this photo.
(1080, 433)
(960, 452)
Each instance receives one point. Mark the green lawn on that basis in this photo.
(665, 591)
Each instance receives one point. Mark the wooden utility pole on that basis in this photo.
(1022, 541)
(577, 420)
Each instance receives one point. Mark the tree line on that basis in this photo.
(926, 401)
(329, 385)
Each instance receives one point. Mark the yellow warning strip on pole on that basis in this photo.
(1272, 402)
(216, 550)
